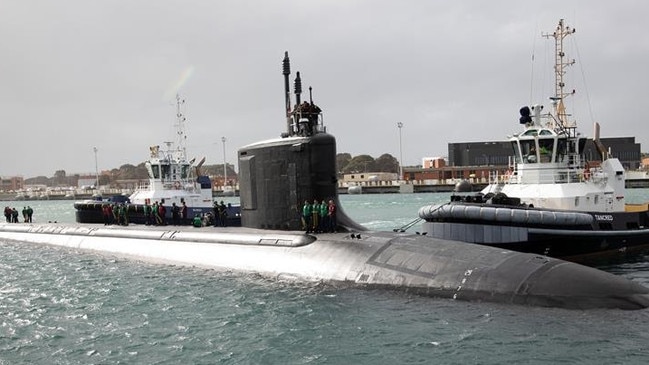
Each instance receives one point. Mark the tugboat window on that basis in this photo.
(517, 152)
(529, 151)
(561, 150)
(156, 171)
(545, 149)
(165, 172)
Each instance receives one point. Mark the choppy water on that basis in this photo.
(58, 306)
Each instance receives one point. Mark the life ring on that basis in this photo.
(176, 185)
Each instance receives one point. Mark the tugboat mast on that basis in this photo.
(180, 126)
(559, 34)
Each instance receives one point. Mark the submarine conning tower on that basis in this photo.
(277, 176)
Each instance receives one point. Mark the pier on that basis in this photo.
(371, 187)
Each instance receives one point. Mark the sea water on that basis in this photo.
(62, 306)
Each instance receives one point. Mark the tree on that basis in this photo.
(362, 163)
(59, 178)
(387, 163)
(342, 159)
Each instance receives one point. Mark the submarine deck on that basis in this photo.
(207, 234)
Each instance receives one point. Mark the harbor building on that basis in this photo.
(12, 183)
(498, 153)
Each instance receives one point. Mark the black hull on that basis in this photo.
(91, 212)
(606, 238)
(586, 247)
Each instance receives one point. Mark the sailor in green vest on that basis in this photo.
(306, 216)
(324, 209)
(315, 214)
(147, 212)
(197, 222)
(155, 208)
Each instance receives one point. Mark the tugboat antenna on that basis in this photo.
(559, 34)
(180, 125)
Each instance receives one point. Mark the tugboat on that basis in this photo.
(551, 201)
(173, 180)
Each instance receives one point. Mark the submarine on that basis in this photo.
(276, 175)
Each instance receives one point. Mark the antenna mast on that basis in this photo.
(286, 71)
(559, 34)
(180, 125)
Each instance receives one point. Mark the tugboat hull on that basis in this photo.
(575, 236)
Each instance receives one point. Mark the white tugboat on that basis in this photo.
(173, 179)
(551, 200)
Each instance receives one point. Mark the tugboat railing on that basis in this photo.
(550, 176)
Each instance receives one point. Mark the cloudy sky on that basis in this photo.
(78, 74)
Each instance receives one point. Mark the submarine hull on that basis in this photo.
(412, 263)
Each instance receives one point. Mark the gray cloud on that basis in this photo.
(77, 74)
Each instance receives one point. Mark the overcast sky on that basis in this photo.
(78, 74)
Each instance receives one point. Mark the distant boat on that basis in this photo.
(551, 201)
(173, 179)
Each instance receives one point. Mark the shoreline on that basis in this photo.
(366, 189)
